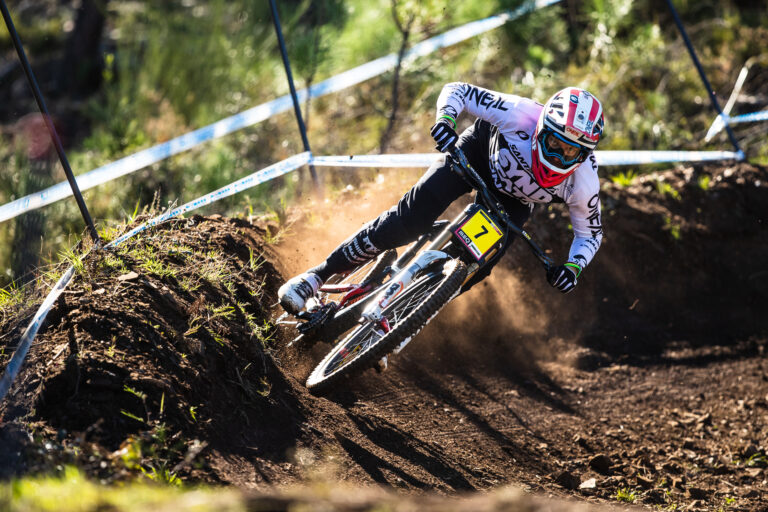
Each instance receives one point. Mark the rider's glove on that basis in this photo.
(444, 134)
(563, 277)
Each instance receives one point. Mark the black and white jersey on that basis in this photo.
(514, 120)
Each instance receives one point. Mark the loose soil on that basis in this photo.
(647, 384)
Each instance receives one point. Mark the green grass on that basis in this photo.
(113, 264)
(624, 179)
(162, 475)
(625, 495)
(665, 189)
(673, 228)
(74, 259)
(153, 265)
(225, 311)
(131, 415)
(70, 491)
(757, 460)
(10, 297)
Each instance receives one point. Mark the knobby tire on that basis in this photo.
(443, 287)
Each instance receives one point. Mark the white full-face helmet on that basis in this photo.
(568, 130)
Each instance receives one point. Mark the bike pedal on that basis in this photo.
(284, 320)
(295, 340)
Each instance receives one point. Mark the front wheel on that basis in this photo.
(406, 315)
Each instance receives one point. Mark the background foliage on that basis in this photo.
(165, 68)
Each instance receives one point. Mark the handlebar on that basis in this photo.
(461, 166)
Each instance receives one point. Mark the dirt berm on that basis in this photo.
(648, 384)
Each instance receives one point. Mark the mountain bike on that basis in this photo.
(378, 308)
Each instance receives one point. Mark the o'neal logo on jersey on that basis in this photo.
(595, 224)
(484, 98)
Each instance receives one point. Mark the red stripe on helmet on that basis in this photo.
(594, 116)
(571, 106)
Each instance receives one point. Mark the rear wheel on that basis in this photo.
(406, 315)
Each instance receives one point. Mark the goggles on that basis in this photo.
(559, 151)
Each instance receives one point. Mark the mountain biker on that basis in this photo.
(530, 153)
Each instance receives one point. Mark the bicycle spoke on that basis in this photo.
(408, 313)
(368, 335)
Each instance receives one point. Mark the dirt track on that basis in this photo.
(650, 378)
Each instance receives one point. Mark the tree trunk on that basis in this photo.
(405, 32)
(80, 73)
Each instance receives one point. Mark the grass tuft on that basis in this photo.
(665, 189)
(70, 490)
(624, 179)
(625, 495)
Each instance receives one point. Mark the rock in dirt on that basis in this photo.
(568, 480)
(581, 441)
(600, 463)
(588, 484)
(130, 276)
(697, 493)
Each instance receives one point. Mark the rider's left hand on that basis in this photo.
(564, 277)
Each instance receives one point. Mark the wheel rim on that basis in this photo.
(367, 335)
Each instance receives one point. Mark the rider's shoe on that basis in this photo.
(295, 292)
(382, 364)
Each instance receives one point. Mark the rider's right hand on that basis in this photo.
(444, 134)
(564, 277)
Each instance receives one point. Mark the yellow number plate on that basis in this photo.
(479, 234)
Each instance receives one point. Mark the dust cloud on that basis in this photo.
(316, 227)
(502, 321)
(502, 324)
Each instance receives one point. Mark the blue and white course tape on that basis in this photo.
(259, 113)
(603, 158)
(14, 365)
(721, 120)
(258, 177)
(658, 157)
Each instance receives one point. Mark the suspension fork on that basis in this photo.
(438, 228)
(440, 235)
